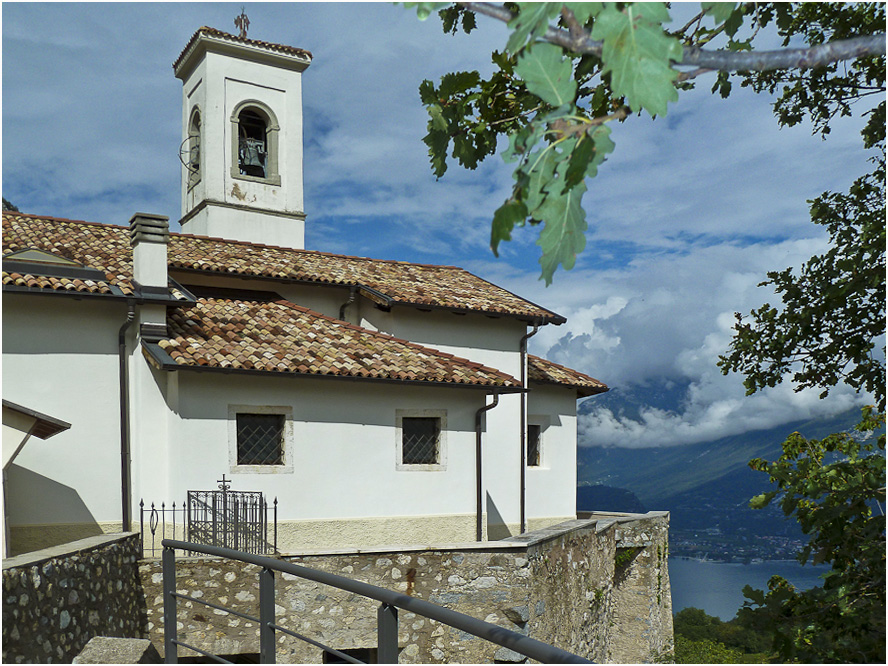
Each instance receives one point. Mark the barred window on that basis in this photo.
(260, 439)
(420, 438)
(533, 445)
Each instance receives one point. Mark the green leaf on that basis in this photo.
(547, 74)
(579, 161)
(505, 218)
(720, 11)
(563, 235)
(603, 146)
(531, 22)
(437, 142)
(637, 53)
(437, 120)
(540, 172)
(427, 93)
(458, 82)
(733, 22)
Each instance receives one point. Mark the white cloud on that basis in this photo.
(685, 218)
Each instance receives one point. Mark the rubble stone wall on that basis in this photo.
(55, 600)
(597, 587)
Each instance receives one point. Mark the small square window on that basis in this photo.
(420, 437)
(260, 439)
(533, 445)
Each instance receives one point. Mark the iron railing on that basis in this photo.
(173, 522)
(386, 616)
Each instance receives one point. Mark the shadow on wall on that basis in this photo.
(44, 513)
(496, 526)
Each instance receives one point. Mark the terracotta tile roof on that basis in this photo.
(14, 279)
(213, 32)
(249, 334)
(546, 372)
(107, 248)
(99, 246)
(405, 283)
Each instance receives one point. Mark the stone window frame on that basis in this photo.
(441, 415)
(272, 134)
(286, 467)
(195, 177)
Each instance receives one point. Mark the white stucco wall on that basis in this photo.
(60, 357)
(551, 487)
(344, 447)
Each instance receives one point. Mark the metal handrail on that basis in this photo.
(387, 615)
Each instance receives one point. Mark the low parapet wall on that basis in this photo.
(55, 600)
(598, 587)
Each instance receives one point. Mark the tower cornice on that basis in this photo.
(207, 39)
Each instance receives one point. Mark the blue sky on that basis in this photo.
(685, 219)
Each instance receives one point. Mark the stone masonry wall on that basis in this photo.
(55, 600)
(596, 587)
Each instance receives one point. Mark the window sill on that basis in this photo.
(437, 467)
(261, 469)
(271, 180)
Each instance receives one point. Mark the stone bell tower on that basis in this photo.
(241, 145)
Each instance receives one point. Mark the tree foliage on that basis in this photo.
(570, 71)
(567, 75)
(835, 489)
(693, 625)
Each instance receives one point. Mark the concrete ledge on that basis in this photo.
(62, 550)
(104, 650)
(600, 520)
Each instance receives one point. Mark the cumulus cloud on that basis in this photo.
(685, 218)
(675, 318)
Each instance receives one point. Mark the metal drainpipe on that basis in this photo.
(478, 489)
(524, 339)
(124, 418)
(352, 294)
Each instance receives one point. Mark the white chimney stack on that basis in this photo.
(149, 235)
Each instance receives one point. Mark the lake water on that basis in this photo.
(717, 587)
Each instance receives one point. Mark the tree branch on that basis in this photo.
(750, 61)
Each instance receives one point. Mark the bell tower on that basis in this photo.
(241, 145)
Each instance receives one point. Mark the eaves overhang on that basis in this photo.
(160, 359)
(45, 426)
(582, 391)
(140, 296)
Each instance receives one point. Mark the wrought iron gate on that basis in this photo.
(228, 519)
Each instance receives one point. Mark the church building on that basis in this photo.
(379, 402)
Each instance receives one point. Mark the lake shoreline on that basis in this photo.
(718, 590)
(745, 564)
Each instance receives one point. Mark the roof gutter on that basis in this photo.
(523, 467)
(479, 492)
(124, 417)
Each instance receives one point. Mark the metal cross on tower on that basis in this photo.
(242, 23)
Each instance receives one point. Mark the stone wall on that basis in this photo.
(55, 600)
(596, 587)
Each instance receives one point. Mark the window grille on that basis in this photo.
(533, 445)
(419, 440)
(260, 439)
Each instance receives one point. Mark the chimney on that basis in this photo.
(149, 235)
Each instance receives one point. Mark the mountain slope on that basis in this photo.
(711, 468)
